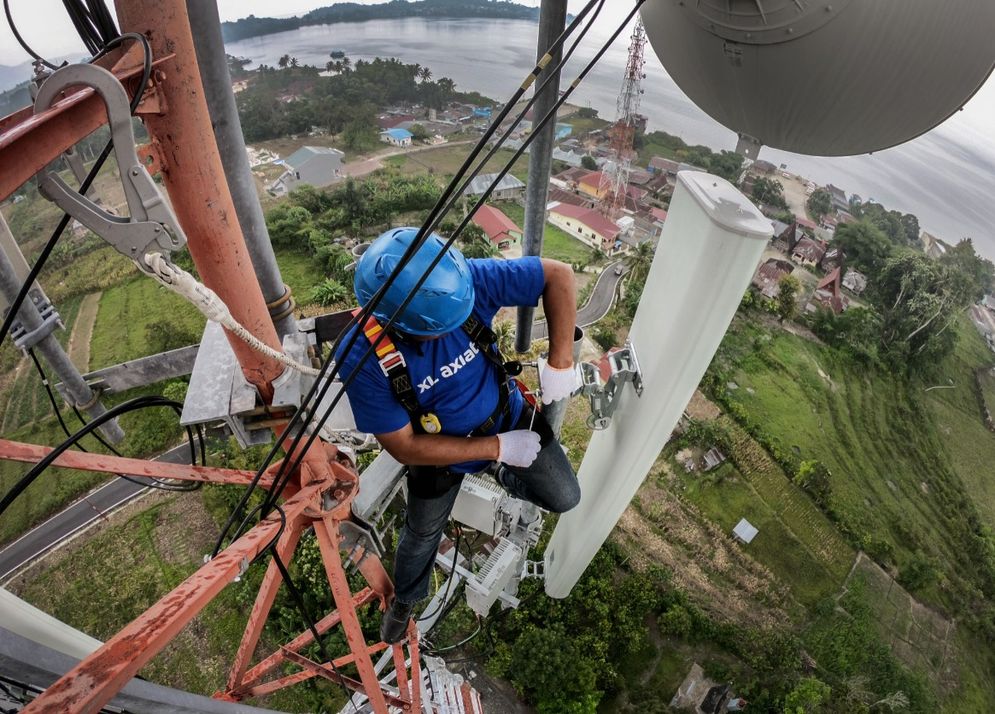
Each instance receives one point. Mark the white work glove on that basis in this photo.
(518, 448)
(556, 383)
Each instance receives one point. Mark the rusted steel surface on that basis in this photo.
(415, 663)
(329, 673)
(195, 179)
(28, 143)
(82, 461)
(303, 640)
(94, 681)
(264, 602)
(329, 543)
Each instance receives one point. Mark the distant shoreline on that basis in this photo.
(253, 26)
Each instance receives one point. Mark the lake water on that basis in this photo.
(946, 177)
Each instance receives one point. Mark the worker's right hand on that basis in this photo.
(518, 448)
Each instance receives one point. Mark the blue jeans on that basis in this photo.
(549, 482)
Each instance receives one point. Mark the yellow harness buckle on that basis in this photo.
(430, 423)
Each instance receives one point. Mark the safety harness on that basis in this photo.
(395, 369)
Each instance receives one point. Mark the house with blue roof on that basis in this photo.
(397, 137)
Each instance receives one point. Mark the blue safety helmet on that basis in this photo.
(440, 305)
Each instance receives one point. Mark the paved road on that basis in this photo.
(76, 517)
(597, 305)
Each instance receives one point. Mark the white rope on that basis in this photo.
(213, 307)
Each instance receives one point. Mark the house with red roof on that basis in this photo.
(585, 224)
(808, 251)
(829, 294)
(501, 230)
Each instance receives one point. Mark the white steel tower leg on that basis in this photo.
(710, 247)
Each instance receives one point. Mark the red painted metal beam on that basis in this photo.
(94, 681)
(330, 674)
(298, 677)
(82, 461)
(300, 642)
(29, 142)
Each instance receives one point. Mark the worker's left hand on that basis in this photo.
(557, 383)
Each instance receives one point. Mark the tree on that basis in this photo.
(589, 163)
(980, 271)
(820, 203)
(419, 132)
(727, 164)
(283, 61)
(865, 246)
(767, 190)
(807, 696)
(919, 299)
(164, 335)
(424, 74)
(639, 261)
(294, 63)
(587, 113)
(786, 302)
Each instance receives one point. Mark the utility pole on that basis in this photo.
(37, 333)
(552, 22)
(206, 28)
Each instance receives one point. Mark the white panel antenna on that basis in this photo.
(711, 244)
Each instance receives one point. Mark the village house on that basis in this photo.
(562, 196)
(833, 258)
(500, 229)
(569, 179)
(854, 281)
(829, 223)
(788, 237)
(660, 165)
(829, 294)
(392, 120)
(808, 251)
(510, 187)
(767, 279)
(763, 167)
(397, 137)
(807, 225)
(313, 165)
(585, 224)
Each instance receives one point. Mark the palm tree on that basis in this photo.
(294, 62)
(284, 61)
(424, 74)
(346, 62)
(639, 261)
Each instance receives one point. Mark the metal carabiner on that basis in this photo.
(151, 226)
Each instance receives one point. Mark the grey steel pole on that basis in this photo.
(206, 27)
(49, 348)
(552, 21)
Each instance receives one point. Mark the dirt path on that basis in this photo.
(362, 168)
(79, 340)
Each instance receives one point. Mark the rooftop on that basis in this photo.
(483, 182)
(589, 217)
(306, 153)
(495, 223)
(399, 134)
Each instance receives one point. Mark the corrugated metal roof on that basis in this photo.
(483, 182)
(305, 153)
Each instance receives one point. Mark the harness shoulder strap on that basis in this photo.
(394, 367)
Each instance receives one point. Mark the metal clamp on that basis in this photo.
(604, 395)
(25, 339)
(151, 225)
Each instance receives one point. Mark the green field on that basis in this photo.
(725, 496)
(556, 243)
(900, 458)
(445, 161)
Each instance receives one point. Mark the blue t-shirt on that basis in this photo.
(452, 379)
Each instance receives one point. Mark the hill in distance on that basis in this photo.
(253, 26)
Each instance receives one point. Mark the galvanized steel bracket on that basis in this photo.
(603, 395)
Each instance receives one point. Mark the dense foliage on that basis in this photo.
(727, 164)
(295, 98)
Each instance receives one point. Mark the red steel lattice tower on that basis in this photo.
(615, 173)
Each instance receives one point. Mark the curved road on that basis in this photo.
(597, 305)
(81, 514)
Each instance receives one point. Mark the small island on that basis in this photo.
(253, 26)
